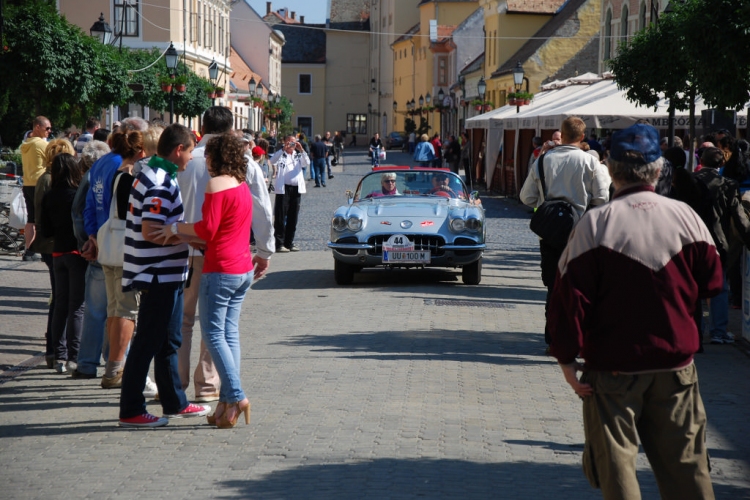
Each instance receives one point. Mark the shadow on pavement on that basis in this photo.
(433, 345)
(431, 478)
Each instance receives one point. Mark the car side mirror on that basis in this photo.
(349, 196)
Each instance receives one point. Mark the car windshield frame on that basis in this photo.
(413, 183)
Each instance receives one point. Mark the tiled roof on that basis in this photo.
(241, 72)
(303, 43)
(412, 31)
(452, 1)
(541, 37)
(348, 11)
(444, 32)
(535, 6)
(474, 65)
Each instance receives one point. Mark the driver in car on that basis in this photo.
(441, 186)
(388, 186)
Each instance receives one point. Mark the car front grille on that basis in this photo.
(421, 242)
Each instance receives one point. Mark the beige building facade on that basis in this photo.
(199, 29)
(620, 19)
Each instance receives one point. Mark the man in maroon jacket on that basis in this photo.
(627, 284)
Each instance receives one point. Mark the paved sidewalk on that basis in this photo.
(405, 385)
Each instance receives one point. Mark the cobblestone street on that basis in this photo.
(407, 384)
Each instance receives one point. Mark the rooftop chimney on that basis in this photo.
(293, 14)
(268, 8)
(302, 19)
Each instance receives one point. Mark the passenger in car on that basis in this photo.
(441, 186)
(388, 186)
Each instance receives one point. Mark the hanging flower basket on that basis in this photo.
(212, 95)
(180, 87)
(488, 107)
(219, 92)
(166, 87)
(513, 101)
(478, 107)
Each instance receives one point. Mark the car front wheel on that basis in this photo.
(343, 273)
(471, 274)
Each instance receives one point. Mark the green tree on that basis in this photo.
(49, 66)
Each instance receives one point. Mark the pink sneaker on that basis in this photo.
(145, 420)
(192, 410)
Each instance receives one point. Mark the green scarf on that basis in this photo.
(166, 165)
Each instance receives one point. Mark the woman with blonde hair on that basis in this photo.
(41, 244)
(424, 153)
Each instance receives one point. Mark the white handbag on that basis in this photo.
(18, 215)
(110, 239)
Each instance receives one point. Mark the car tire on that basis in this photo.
(471, 274)
(343, 273)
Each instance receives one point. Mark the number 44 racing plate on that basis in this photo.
(400, 250)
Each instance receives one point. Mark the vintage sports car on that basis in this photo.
(409, 217)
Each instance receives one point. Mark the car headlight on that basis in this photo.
(457, 225)
(338, 223)
(473, 224)
(354, 223)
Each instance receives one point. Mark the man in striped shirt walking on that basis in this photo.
(158, 270)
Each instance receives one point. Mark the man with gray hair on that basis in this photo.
(627, 286)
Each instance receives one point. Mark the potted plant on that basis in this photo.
(527, 97)
(166, 83)
(512, 98)
(219, 91)
(477, 103)
(180, 83)
(488, 106)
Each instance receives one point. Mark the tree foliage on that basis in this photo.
(699, 48)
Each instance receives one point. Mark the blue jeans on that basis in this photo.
(374, 160)
(94, 321)
(158, 336)
(719, 307)
(220, 304)
(319, 169)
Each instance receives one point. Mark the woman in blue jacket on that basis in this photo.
(424, 153)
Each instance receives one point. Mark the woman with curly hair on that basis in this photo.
(227, 268)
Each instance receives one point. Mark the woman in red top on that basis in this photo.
(227, 268)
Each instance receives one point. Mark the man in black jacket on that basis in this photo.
(717, 201)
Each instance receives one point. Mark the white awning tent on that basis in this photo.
(599, 104)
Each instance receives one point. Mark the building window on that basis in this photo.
(442, 71)
(194, 27)
(305, 84)
(356, 124)
(624, 23)
(642, 16)
(608, 36)
(305, 125)
(127, 21)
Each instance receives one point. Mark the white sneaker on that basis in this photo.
(150, 392)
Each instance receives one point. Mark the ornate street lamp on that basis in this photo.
(518, 81)
(213, 75)
(259, 91)
(252, 85)
(395, 106)
(171, 58)
(101, 30)
(421, 101)
(482, 89)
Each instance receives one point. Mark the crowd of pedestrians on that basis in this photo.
(142, 226)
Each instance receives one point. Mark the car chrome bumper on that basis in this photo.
(449, 257)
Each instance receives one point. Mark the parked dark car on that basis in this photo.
(395, 140)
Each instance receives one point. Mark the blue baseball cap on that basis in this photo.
(638, 143)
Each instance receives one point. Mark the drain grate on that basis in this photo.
(468, 303)
(20, 368)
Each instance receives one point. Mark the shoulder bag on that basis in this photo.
(110, 239)
(554, 219)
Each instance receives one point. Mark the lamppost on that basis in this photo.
(440, 98)
(101, 30)
(171, 58)
(395, 110)
(213, 75)
(481, 89)
(518, 81)
(462, 83)
(251, 86)
(277, 100)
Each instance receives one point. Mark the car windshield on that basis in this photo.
(411, 183)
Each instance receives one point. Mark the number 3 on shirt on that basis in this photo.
(156, 208)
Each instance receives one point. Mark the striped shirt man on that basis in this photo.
(155, 196)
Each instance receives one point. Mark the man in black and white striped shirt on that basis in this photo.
(158, 270)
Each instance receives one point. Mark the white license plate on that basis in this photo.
(406, 257)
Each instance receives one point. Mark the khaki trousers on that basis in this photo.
(205, 378)
(666, 412)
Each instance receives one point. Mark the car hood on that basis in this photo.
(409, 207)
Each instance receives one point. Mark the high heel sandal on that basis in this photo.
(225, 422)
(220, 410)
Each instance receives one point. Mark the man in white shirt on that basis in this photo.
(570, 174)
(290, 186)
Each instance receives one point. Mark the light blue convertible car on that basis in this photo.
(409, 217)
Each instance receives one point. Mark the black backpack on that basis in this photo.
(553, 220)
